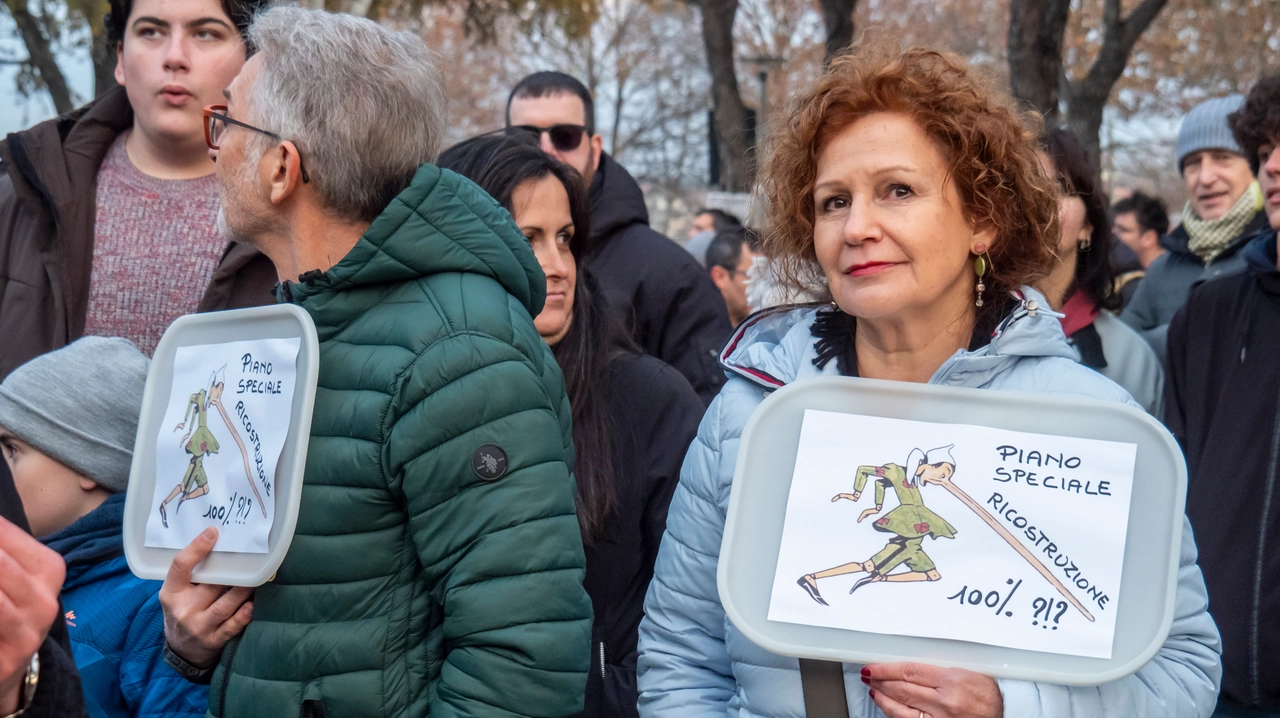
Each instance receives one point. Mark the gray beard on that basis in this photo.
(227, 232)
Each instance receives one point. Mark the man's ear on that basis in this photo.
(87, 484)
(597, 146)
(1150, 238)
(720, 276)
(286, 171)
(119, 72)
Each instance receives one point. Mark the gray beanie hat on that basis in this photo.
(79, 405)
(1205, 127)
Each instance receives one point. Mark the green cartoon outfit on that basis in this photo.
(202, 442)
(195, 482)
(910, 522)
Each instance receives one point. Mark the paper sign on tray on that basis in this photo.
(955, 531)
(224, 428)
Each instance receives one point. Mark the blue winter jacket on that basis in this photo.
(115, 625)
(695, 664)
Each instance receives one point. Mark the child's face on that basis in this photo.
(52, 494)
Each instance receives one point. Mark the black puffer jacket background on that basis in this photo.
(655, 416)
(1222, 402)
(663, 297)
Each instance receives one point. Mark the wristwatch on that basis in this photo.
(29, 684)
(200, 676)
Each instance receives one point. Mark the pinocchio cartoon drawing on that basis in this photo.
(909, 523)
(912, 521)
(197, 442)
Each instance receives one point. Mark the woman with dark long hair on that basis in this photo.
(1082, 283)
(633, 416)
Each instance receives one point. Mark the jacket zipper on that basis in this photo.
(602, 660)
(1268, 491)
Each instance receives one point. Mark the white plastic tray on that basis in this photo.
(762, 479)
(224, 568)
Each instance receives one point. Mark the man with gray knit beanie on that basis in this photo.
(67, 425)
(1223, 212)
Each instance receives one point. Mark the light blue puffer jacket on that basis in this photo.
(695, 664)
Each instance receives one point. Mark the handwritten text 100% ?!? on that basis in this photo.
(1043, 611)
(237, 510)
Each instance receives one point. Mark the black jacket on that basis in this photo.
(655, 417)
(58, 692)
(1222, 395)
(668, 303)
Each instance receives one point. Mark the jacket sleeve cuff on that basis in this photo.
(1021, 698)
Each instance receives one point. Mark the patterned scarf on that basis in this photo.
(1210, 237)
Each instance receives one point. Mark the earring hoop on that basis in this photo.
(1084, 244)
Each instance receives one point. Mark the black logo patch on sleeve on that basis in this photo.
(489, 462)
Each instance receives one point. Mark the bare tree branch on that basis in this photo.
(40, 55)
(1089, 94)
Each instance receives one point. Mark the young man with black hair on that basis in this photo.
(1222, 403)
(1139, 221)
(713, 220)
(108, 215)
(669, 304)
(706, 223)
(728, 261)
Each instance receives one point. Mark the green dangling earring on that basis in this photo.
(980, 269)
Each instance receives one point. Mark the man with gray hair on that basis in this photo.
(437, 565)
(1223, 213)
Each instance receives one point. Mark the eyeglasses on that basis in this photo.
(216, 124)
(565, 138)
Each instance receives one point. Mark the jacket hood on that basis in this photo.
(1260, 258)
(60, 157)
(92, 540)
(1178, 241)
(441, 223)
(775, 346)
(616, 201)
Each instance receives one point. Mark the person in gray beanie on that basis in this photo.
(79, 406)
(1223, 212)
(68, 420)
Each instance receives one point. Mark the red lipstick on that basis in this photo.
(866, 268)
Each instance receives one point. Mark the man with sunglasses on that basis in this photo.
(665, 298)
(108, 214)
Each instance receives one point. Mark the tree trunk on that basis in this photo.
(1036, 32)
(1088, 95)
(41, 56)
(730, 113)
(837, 18)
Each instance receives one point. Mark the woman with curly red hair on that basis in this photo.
(912, 193)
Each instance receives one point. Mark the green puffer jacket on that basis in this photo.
(418, 584)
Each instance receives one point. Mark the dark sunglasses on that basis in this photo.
(565, 138)
(216, 124)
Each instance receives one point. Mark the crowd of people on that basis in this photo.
(507, 294)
